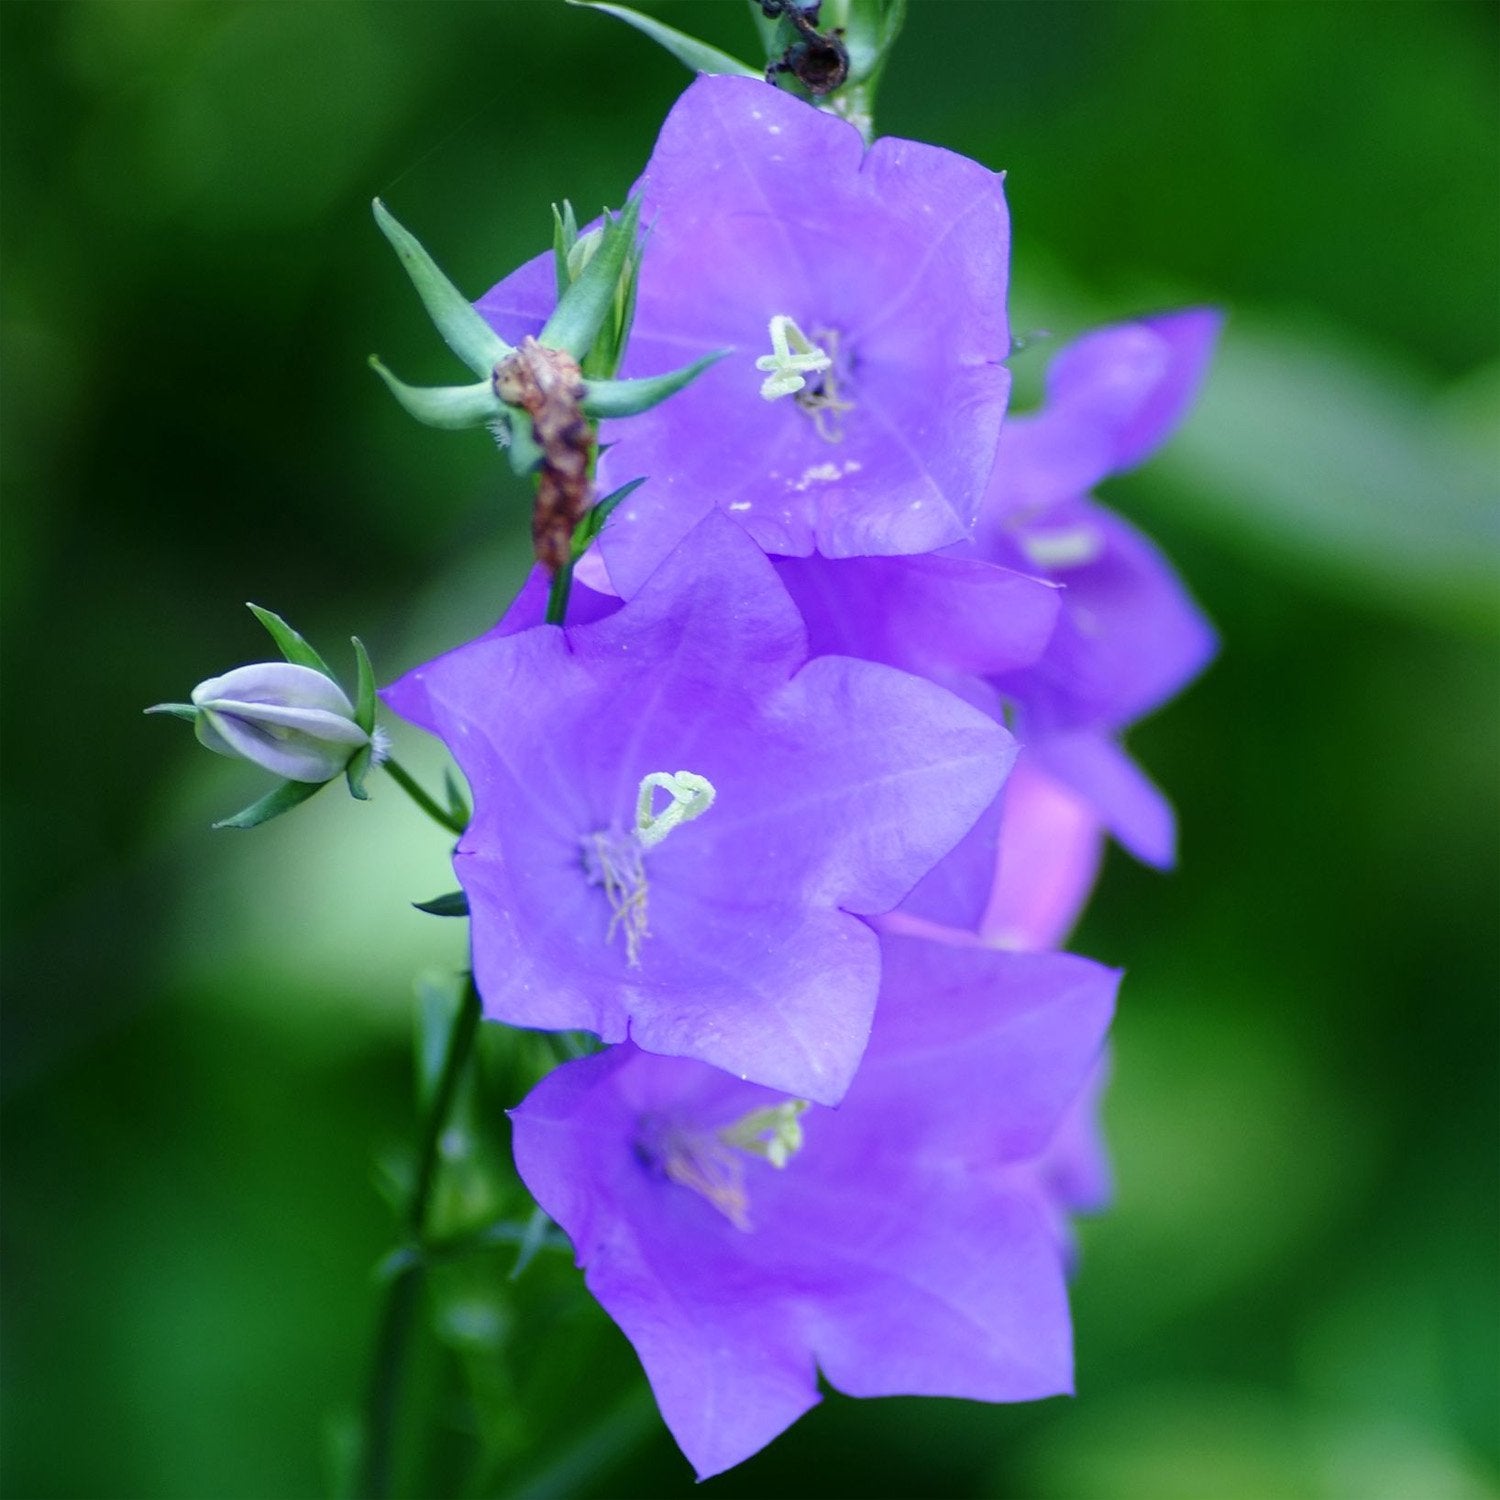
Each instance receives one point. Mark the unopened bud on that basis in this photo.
(288, 719)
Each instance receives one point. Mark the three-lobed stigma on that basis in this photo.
(615, 858)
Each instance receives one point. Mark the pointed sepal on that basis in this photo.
(453, 904)
(364, 715)
(451, 407)
(564, 237)
(458, 806)
(626, 398)
(581, 311)
(177, 710)
(698, 57)
(462, 328)
(596, 515)
(291, 645)
(870, 28)
(283, 799)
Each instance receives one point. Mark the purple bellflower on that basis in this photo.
(863, 294)
(1020, 878)
(1128, 637)
(907, 1243)
(1060, 605)
(680, 820)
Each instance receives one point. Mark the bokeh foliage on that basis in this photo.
(207, 1037)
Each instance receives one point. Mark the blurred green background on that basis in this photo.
(207, 1037)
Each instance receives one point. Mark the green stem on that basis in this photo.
(557, 595)
(460, 1045)
(434, 809)
(398, 1315)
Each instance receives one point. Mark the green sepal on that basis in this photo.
(870, 29)
(356, 771)
(582, 309)
(770, 29)
(177, 710)
(463, 330)
(596, 515)
(364, 691)
(625, 297)
(538, 1230)
(454, 904)
(364, 715)
(696, 56)
(523, 450)
(288, 795)
(291, 645)
(627, 398)
(564, 237)
(458, 806)
(451, 407)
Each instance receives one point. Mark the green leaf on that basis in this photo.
(177, 710)
(626, 398)
(454, 904)
(595, 517)
(450, 407)
(582, 309)
(289, 643)
(696, 56)
(288, 795)
(463, 330)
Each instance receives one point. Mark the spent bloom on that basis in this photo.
(800, 796)
(862, 293)
(908, 1243)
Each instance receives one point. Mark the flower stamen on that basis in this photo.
(712, 1163)
(615, 858)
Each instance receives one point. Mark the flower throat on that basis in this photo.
(616, 858)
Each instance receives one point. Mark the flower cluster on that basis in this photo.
(793, 806)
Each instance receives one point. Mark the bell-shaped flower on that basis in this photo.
(1128, 636)
(1020, 878)
(292, 720)
(863, 295)
(680, 820)
(1059, 604)
(907, 1243)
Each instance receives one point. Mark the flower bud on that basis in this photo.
(289, 719)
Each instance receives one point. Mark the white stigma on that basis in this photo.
(615, 859)
(793, 358)
(692, 796)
